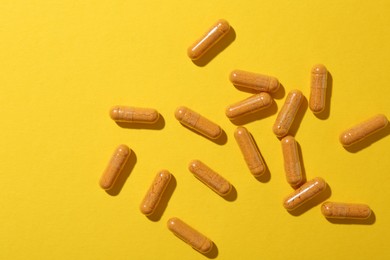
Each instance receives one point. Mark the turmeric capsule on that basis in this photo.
(209, 177)
(319, 82)
(362, 130)
(189, 235)
(155, 192)
(288, 112)
(115, 166)
(250, 151)
(304, 193)
(254, 81)
(292, 162)
(208, 40)
(248, 106)
(345, 210)
(197, 122)
(134, 115)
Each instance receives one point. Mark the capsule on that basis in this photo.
(254, 81)
(209, 177)
(292, 162)
(208, 40)
(134, 115)
(363, 130)
(319, 83)
(304, 193)
(189, 235)
(198, 123)
(115, 167)
(249, 150)
(155, 192)
(249, 106)
(345, 210)
(288, 112)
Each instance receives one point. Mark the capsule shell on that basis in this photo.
(189, 235)
(209, 177)
(249, 150)
(345, 210)
(319, 83)
(292, 162)
(155, 192)
(197, 122)
(249, 106)
(134, 114)
(288, 112)
(115, 167)
(208, 40)
(304, 193)
(254, 81)
(363, 130)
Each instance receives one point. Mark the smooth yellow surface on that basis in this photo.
(63, 64)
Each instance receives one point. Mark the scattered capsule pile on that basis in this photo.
(264, 86)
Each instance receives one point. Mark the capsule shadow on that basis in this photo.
(160, 124)
(163, 204)
(221, 45)
(279, 94)
(266, 176)
(267, 112)
(299, 117)
(213, 253)
(329, 88)
(313, 202)
(232, 195)
(220, 140)
(126, 171)
(369, 140)
(369, 221)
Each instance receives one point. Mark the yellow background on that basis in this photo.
(63, 64)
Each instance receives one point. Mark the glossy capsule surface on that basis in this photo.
(292, 162)
(189, 235)
(288, 112)
(248, 106)
(249, 150)
(209, 177)
(115, 167)
(345, 210)
(155, 192)
(208, 40)
(198, 122)
(304, 193)
(319, 83)
(363, 130)
(134, 114)
(254, 81)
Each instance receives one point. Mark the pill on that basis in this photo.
(304, 193)
(345, 210)
(249, 106)
(208, 40)
(198, 123)
(189, 235)
(134, 114)
(254, 81)
(209, 177)
(249, 150)
(155, 192)
(115, 166)
(288, 112)
(292, 162)
(319, 82)
(362, 130)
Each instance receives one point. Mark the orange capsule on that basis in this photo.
(292, 162)
(208, 40)
(189, 235)
(362, 130)
(249, 106)
(345, 210)
(254, 81)
(115, 167)
(134, 115)
(319, 83)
